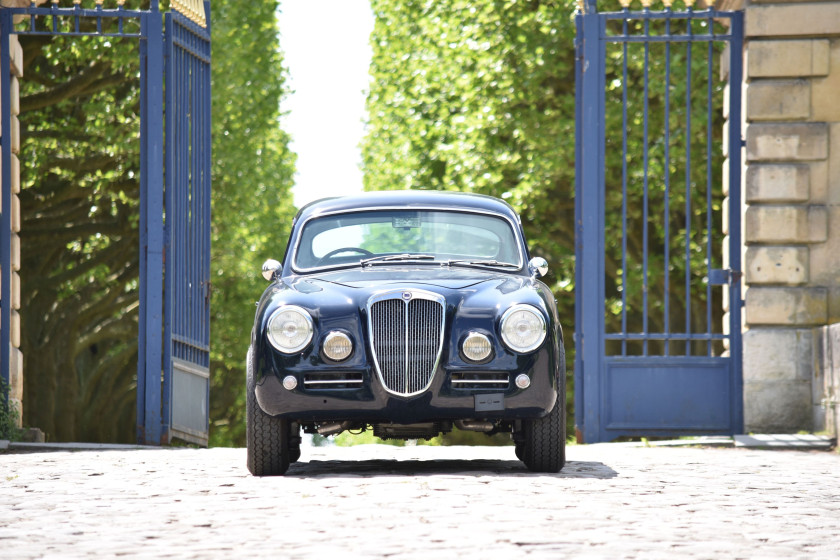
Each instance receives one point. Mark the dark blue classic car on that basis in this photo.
(408, 313)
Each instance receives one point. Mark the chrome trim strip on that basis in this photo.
(332, 381)
(481, 381)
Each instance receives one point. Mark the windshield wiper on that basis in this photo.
(400, 257)
(481, 262)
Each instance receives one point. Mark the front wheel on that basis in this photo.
(543, 446)
(266, 437)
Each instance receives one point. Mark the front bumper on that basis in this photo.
(370, 402)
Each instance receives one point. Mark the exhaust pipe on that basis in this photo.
(474, 425)
(334, 428)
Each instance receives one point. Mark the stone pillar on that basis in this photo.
(791, 191)
(15, 355)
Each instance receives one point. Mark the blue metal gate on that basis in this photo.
(187, 295)
(173, 338)
(656, 353)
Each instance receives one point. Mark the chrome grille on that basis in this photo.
(406, 332)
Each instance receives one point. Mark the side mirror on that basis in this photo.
(270, 268)
(538, 267)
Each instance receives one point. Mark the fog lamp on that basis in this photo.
(337, 346)
(476, 347)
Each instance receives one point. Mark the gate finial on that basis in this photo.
(624, 3)
(193, 9)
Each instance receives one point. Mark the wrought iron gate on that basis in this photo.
(656, 353)
(173, 338)
(187, 295)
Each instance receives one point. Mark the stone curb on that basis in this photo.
(27, 446)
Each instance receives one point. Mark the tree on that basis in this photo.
(252, 205)
(79, 205)
(479, 96)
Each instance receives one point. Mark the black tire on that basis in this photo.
(294, 454)
(544, 441)
(294, 442)
(266, 437)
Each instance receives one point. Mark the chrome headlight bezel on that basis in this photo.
(274, 330)
(525, 342)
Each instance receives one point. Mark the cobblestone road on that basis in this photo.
(611, 501)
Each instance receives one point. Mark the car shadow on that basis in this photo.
(475, 467)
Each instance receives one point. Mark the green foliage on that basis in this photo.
(675, 156)
(9, 414)
(455, 437)
(349, 439)
(252, 204)
(478, 95)
(79, 204)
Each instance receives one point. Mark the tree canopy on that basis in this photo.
(479, 96)
(252, 202)
(79, 205)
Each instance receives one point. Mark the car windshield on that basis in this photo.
(385, 237)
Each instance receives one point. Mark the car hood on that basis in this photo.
(384, 276)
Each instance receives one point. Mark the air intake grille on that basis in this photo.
(406, 330)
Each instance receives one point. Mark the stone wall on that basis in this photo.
(15, 356)
(791, 192)
(827, 379)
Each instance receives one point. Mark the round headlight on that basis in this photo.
(337, 346)
(476, 347)
(290, 329)
(523, 328)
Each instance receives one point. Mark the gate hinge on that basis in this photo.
(208, 290)
(724, 276)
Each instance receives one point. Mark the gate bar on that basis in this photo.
(6, 210)
(592, 220)
(151, 221)
(736, 144)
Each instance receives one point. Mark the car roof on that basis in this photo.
(449, 200)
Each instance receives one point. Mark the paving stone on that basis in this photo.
(785, 441)
(610, 501)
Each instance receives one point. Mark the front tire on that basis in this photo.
(266, 437)
(543, 447)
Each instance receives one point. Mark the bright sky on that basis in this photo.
(326, 50)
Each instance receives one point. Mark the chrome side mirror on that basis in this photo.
(270, 268)
(538, 267)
